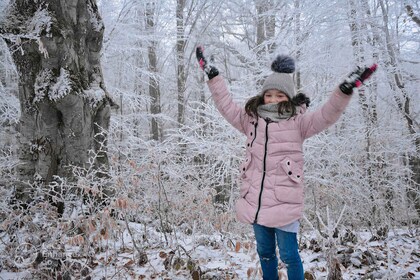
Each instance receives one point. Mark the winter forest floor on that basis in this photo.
(213, 256)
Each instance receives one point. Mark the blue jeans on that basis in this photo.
(288, 248)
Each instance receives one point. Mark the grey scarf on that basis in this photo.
(271, 112)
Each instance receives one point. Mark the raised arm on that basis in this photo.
(315, 122)
(231, 111)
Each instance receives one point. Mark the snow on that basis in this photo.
(42, 49)
(62, 87)
(42, 84)
(45, 87)
(95, 94)
(224, 256)
(41, 21)
(97, 23)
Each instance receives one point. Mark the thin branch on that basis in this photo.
(410, 12)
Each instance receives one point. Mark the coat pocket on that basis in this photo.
(292, 169)
(289, 195)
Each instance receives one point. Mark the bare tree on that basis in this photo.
(299, 39)
(180, 51)
(65, 108)
(266, 28)
(154, 89)
(359, 36)
(403, 100)
(414, 17)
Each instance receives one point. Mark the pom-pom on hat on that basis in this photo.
(282, 78)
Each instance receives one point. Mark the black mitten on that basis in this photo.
(211, 71)
(356, 78)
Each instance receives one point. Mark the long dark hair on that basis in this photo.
(289, 106)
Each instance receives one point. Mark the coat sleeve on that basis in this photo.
(319, 120)
(231, 111)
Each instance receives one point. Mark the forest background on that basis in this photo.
(173, 161)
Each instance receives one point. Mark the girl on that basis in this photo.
(276, 124)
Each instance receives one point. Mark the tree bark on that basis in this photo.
(299, 40)
(65, 109)
(154, 88)
(266, 27)
(414, 17)
(180, 51)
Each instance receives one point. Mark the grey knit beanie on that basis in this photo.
(282, 78)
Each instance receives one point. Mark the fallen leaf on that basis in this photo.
(129, 263)
(237, 246)
(195, 275)
(249, 272)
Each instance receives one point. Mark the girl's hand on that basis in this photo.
(356, 78)
(211, 71)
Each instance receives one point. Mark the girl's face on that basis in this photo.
(274, 96)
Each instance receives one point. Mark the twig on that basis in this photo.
(186, 253)
(132, 236)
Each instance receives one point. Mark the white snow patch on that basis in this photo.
(230, 256)
(62, 87)
(42, 49)
(95, 94)
(41, 21)
(42, 84)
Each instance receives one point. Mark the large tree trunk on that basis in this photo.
(65, 109)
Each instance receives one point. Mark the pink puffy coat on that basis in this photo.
(272, 189)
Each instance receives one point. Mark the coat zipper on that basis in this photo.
(255, 133)
(264, 169)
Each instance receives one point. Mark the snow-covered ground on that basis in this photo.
(223, 256)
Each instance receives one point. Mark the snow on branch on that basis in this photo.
(40, 22)
(32, 28)
(43, 82)
(95, 94)
(62, 87)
